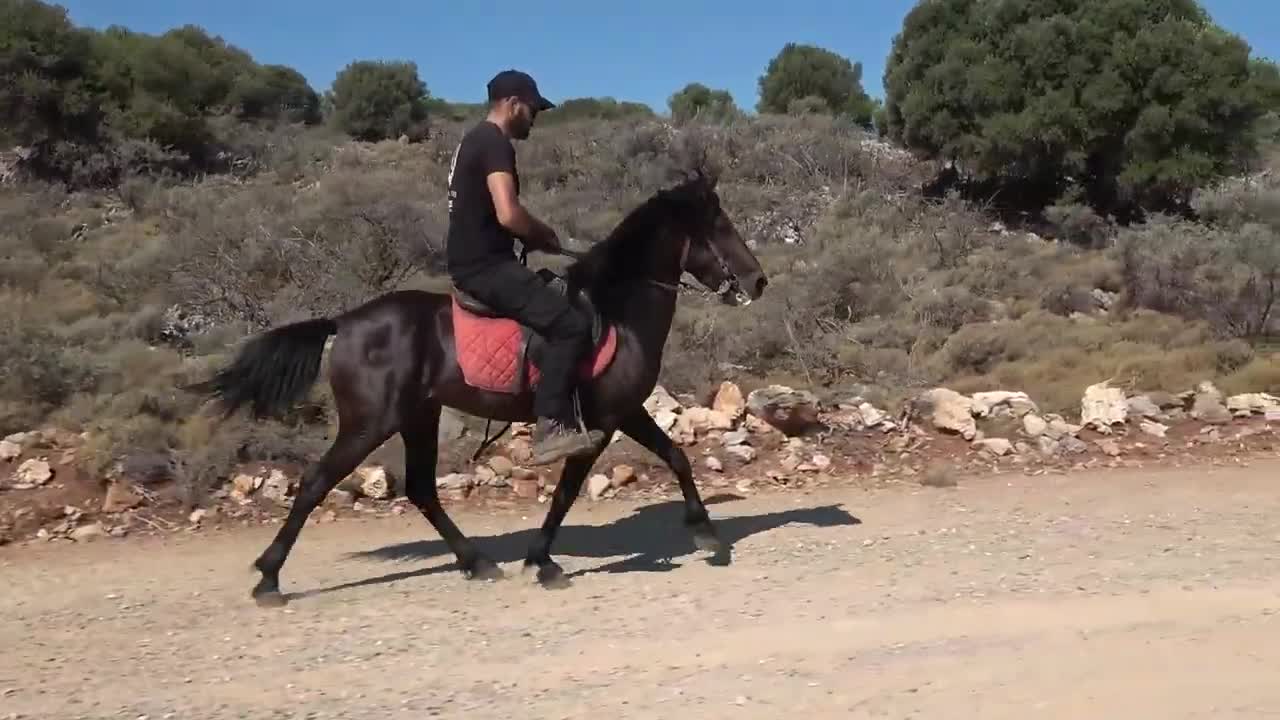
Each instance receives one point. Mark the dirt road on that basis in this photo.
(1117, 594)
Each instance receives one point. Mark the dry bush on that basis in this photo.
(114, 301)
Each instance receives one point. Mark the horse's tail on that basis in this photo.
(273, 370)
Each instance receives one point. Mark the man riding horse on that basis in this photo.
(485, 217)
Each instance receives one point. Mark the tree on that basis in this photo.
(697, 101)
(46, 95)
(803, 71)
(594, 108)
(276, 92)
(1128, 104)
(377, 100)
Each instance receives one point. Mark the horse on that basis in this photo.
(398, 358)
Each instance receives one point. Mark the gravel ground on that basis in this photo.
(1124, 593)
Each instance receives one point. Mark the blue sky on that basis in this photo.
(644, 51)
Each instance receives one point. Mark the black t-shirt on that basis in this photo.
(476, 240)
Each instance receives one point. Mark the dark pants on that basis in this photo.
(514, 291)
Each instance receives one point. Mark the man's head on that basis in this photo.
(514, 101)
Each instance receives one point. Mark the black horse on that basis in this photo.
(394, 364)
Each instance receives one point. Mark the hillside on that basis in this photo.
(120, 297)
(121, 286)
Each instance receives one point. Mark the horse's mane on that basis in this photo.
(612, 262)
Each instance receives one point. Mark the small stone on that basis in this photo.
(998, 447)
(745, 453)
(729, 400)
(121, 496)
(713, 463)
(455, 481)
(85, 533)
(501, 466)
(1142, 406)
(520, 451)
(622, 476)
(375, 482)
(485, 475)
(341, 498)
(525, 488)
(9, 450)
(1153, 429)
(1108, 447)
(276, 487)
(32, 473)
(665, 419)
(661, 401)
(597, 485)
(1048, 446)
(820, 461)
(1033, 425)
(872, 417)
(197, 516)
(735, 437)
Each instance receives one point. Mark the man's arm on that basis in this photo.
(515, 217)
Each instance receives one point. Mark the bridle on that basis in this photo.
(684, 258)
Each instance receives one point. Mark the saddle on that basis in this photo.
(500, 354)
(577, 299)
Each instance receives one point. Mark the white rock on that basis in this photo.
(597, 485)
(32, 473)
(1208, 407)
(713, 463)
(1002, 402)
(1153, 429)
(1142, 406)
(703, 420)
(871, 415)
(791, 411)
(1103, 406)
(375, 482)
(1034, 425)
(951, 411)
(1247, 404)
(9, 450)
(665, 419)
(660, 400)
(729, 401)
(745, 453)
(820, 461)
(996, 446)
(276, 487)
(455, 481)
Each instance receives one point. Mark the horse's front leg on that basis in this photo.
(641, 428)
(550, 574)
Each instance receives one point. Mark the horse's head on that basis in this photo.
(710, 248)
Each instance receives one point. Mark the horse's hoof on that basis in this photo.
(708, 542)
(482, 568)
(269, 599)
(549, 575)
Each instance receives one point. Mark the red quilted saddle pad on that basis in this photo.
(490, 352)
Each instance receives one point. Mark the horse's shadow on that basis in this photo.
(650, 538)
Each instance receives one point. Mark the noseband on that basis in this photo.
(684, 258)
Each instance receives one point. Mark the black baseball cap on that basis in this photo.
(513, 83)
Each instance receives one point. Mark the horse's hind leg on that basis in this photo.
(641, 428)
(421, 438)
(342, 457)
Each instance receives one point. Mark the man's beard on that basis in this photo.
(520, 128)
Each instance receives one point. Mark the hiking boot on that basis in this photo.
(555, 440)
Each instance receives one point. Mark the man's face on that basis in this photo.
(522, 115)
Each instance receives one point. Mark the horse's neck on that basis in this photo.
(648, 313)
